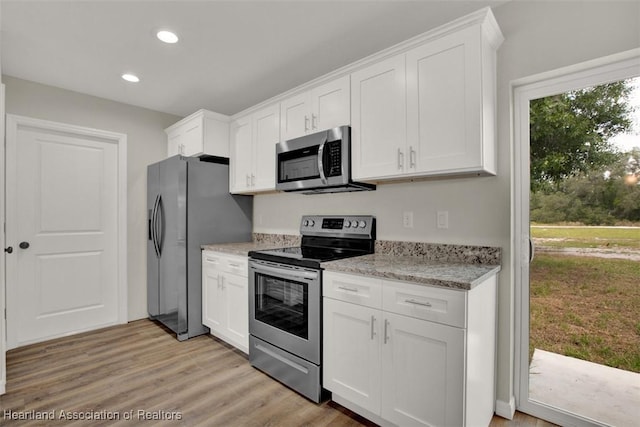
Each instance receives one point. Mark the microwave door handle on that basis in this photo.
(323, 178)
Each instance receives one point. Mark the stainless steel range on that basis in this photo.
(285, 292)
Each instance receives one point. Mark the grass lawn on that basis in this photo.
(588, 308)
(587, 237)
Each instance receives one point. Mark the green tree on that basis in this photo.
(603, 197)
(569, 133)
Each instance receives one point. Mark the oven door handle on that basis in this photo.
(323, 178)
(280, 272)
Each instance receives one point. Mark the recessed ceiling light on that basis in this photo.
(131, 78)
(167, 36)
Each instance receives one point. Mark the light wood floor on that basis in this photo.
(141, 367)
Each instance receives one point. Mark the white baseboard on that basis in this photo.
(506, 409)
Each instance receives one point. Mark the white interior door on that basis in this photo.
(63, 224)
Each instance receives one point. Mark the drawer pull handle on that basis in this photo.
(234, 265)
(212, 260)
(348, 289)
(412, 301)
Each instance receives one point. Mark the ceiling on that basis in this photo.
(231, 54)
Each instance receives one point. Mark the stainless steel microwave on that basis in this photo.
(317, 163)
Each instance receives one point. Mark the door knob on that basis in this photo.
(24, 245)
(9, 249)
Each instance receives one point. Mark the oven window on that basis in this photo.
(298, 165)
(282, 304)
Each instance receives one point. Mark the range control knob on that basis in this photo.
(347, 224)
(354, 224)
(311, 223)
(362, 224)
(305, 223)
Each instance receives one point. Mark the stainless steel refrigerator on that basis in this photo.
(188, 205)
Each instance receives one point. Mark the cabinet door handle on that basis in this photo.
(412, 157)
(348, 289)
(415, 302)
(314, 121)
(222, 282)
(248, 180)
(253, 180)
(373, 320)
(400, 159)
(386, 328)
(306, 123)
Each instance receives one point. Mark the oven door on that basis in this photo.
(314, 161)
(284, 307)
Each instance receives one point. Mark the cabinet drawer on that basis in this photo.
(226, 263)
(355, 289)
(423, 302)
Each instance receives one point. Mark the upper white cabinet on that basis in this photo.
(447, 84)
(323, 107)
(253, 140)
(450, 103)
(203, 132)
(425, 107)
(379, 127)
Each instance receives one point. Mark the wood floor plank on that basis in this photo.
(119, 371)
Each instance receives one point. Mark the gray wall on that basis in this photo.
(540, 36)
(146, 143)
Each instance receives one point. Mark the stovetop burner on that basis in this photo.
(325, 238)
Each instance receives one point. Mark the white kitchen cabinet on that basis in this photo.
(253, 140)
(352, 352)
(379, 123)
(429, 111)
(225, 297)
(422, 372)
(418, 356)
(450, 105)
(323, 107)
(241, 161)
(202, 133)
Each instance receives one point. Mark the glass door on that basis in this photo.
(283, 304)
(551, 398)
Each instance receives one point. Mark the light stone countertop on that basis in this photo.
(260, 242)
(241, 249)
(418, 270)
(448, 266)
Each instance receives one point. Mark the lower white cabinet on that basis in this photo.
(398, 368)
(225, 296)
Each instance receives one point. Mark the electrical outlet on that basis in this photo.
(443, 219)
(407, 219)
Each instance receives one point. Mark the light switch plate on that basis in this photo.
(443, 219)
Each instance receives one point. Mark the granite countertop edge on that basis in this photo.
(416, 270)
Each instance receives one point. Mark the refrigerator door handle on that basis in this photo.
(154, 226)
(160, 226)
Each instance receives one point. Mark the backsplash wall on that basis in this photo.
(477, 209)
